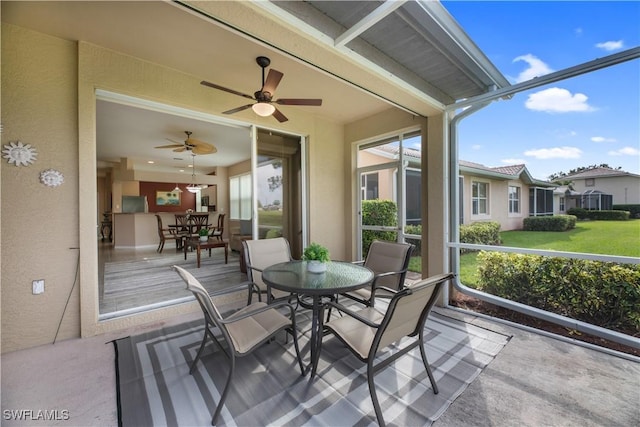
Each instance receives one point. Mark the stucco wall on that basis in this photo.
(39, 223)
(624, 189)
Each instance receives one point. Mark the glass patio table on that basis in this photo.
(294, 277)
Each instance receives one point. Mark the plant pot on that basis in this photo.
(204, 238)
(316, 267)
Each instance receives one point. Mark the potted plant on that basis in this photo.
(204, 234)
(316, 256)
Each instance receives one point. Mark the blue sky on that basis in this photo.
(590, 119)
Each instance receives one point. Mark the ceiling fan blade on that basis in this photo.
(235, 110)
(235, 92)
(204, 149)
(170, 146)
(180, 150)
(272, 82)
(299, 101)
(279, 116)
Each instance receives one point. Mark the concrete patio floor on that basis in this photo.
(534, 381)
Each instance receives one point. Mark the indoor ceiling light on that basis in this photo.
(263, 109)
(177, 189)
(193, 187)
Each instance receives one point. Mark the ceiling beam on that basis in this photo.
(368, 21)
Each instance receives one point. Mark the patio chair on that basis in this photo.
(260, 254)
(243, 331)
(370, 329)
(166, 234)
(389, 261)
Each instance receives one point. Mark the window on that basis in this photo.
(480, 198)
(370, 188)
(240, 197)
(590, 182)
(514, 199)
(561, 203)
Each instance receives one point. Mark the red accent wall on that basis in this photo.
(149, 189)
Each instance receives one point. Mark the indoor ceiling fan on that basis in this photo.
(195, 146)
(264, 97)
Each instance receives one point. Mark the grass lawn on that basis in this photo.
(270, 218)
(620, 238)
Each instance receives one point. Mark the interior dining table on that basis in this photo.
(339, 277)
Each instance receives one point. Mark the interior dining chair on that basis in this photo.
(260, 254)
(218, 229)
(243, 331)
(165, 234)
(371, 329)
(389, 262)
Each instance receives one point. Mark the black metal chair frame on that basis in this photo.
(418, 333)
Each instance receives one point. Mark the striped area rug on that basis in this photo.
(155, 388)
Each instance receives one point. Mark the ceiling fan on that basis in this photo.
(264, 97)
(195, 146)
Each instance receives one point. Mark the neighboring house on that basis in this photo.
(601, 188)
(504, 194)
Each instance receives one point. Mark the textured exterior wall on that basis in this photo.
(39, 223)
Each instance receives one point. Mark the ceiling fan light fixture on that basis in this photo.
(177, 189)
(263, 109)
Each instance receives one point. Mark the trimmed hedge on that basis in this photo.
(608, 215)
(480, 233)
(549, 223)
(378, 212)
(579, 213)
(603, 294)
(634, 210)
(613, 215)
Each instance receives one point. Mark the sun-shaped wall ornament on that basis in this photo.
(19, 153)
(51, 178)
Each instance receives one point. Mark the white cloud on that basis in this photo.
(557, 100)
(476, 147)
(610, 45)
(578, 31)
(555, 153)
(536, 68)
(626, 151)
(513, 161)
(602, 139)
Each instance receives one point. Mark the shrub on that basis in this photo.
(608, 215)
(480, 233)
(273, 233)
(634, 210)
(603, 294)
(578, 213)
(378, 212)
(549, 223)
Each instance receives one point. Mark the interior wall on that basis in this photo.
(40, 223)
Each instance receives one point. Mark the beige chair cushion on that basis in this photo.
(247, 333)
(384, 257)
(355, 333)
(264, 253)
